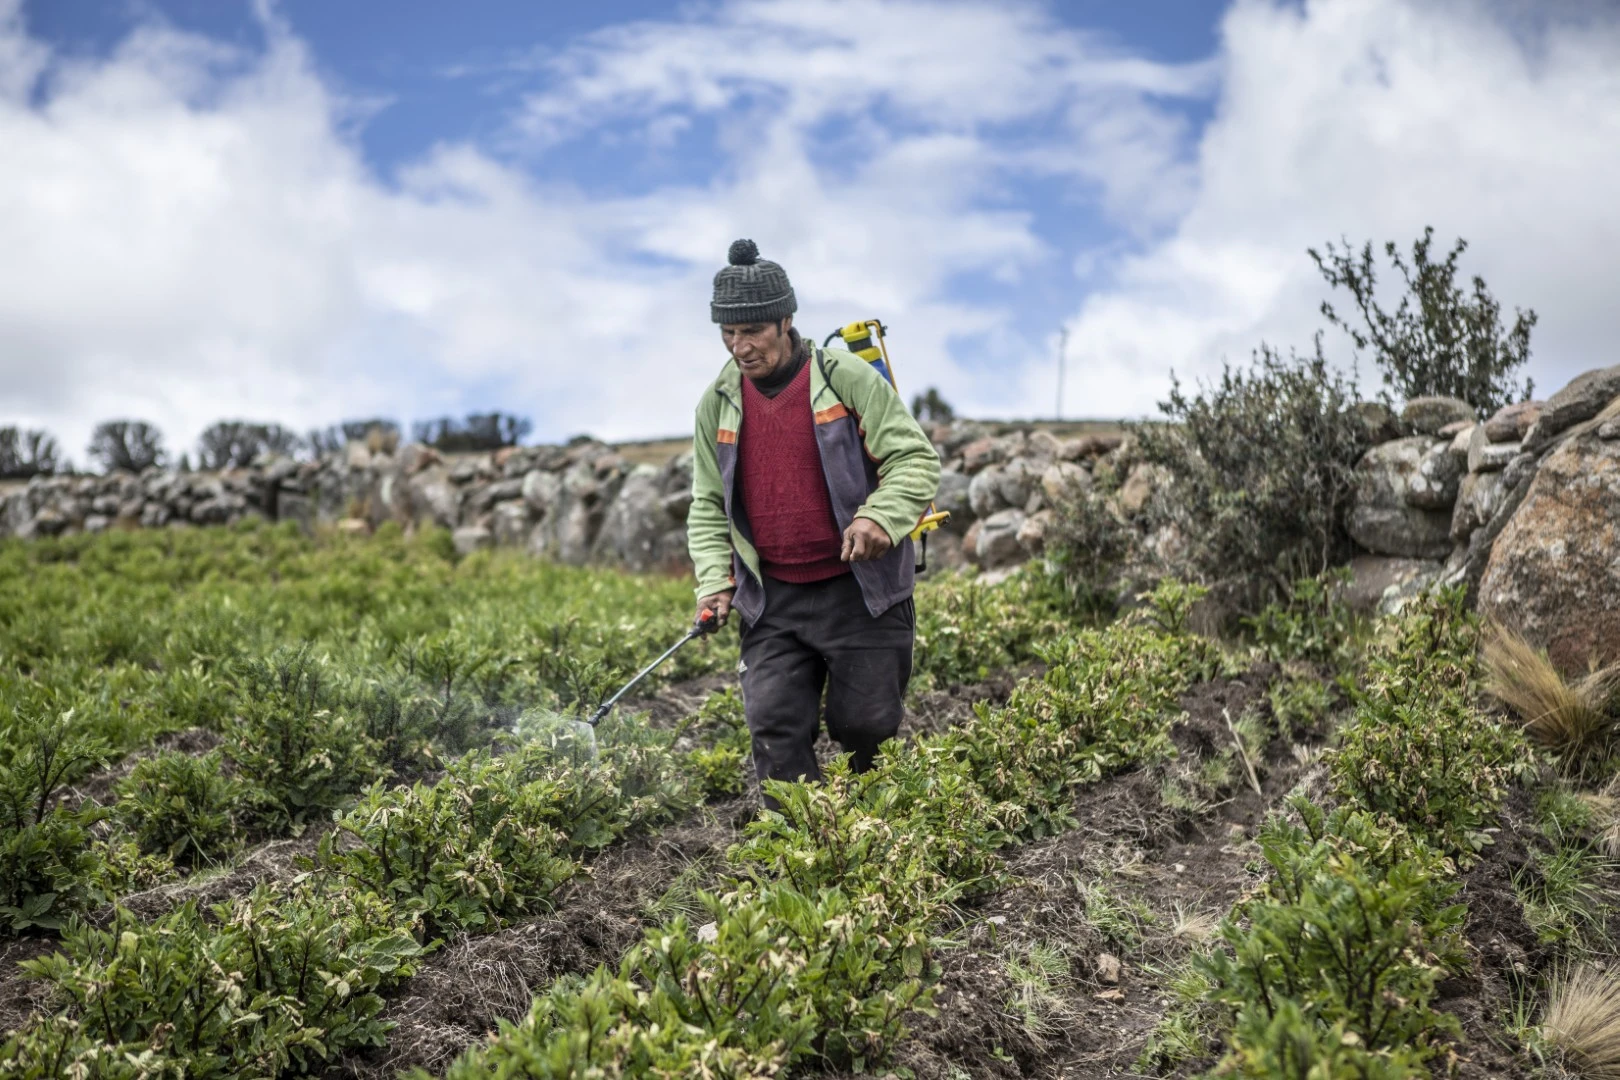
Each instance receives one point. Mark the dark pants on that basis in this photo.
(814, 637)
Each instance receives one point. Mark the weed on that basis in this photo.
(1575, 720)
(1118, 919)
(1040, 973)
(1583, 1021)
(182, 806)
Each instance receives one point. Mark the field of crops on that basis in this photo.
(281, 806)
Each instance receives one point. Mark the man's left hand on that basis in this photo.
(864, 540)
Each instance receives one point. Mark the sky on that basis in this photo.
(296, 211)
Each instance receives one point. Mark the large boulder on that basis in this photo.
(1576, 403)
(952, 497)
(1433, 486)
(635, 521)
(1379, 419)
(1427, 415)
(434, 498)
(985, 492)
(1478, 497)
(1487, 456)
(1382, 520)
(1553, 572)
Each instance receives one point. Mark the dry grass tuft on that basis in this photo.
(1583, 1021)
(1193, 926)
(1574, 719)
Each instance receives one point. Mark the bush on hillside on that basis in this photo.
(1262, 464)
(1439, 339)
(130, 445)
(931, 408)
(376, 434)
(26, 453)
(479, 432)
(234, 444)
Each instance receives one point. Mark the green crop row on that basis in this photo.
(276, 982)
(820, 943)
(1329, 972)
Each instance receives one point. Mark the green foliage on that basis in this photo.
(48, 870)
(967, 630)
(1299, 704)
(1416, 748)
(306, 754)
(182, 806)
(1291, 1045)
(1091, 546)
(1312, 623)
(1262, 463)
(273, 983)
(1352, 932)
(717, 745)
(1438, 340)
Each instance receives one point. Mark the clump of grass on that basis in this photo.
(1583, 1021)
(1565, 899)
(1040, 973)
(1573, 718)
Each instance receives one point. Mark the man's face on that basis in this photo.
(759, 348)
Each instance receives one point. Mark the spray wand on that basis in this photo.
(705, 624)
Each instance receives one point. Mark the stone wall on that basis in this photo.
(579, 503)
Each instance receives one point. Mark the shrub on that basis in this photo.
(1091, 547)
(1351, 935)
(1262, 465)
(304, 754)
(48, 869)
(966, 630)
(183, 806)
(131, 445)
(478, 432)
(931, 407)
(1438, 340)
(27, 453)
(1311, 623)
(718, 747)
(234, 444)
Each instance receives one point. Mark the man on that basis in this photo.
(808, 476)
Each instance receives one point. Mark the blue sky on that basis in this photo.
(305, 210)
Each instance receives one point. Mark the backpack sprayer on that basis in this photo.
(865, 340)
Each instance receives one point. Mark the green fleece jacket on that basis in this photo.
(878, 463)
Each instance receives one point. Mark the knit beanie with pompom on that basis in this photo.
(751, 289)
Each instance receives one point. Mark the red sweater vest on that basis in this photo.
(784, 492)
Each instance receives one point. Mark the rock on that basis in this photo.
(155, 515)
(1453, 429)
(970, 542)
(1032, 533)
(96, 523)
(541, 490)
(1063, 481)
(635, 520)
(414, 457)
(1512, 422)
(677, 504)
(1581, 400)
(1522, 467)
(1380, 421)
(1609, 429)
(354, 527)
(1553, 574)
(1487, 456)
(471, 538)
(511, 520)
(434, 498)
(1477, 499)
(997, 542)
(1381, 518)
(953, 498)
(357, 456)
(1138, 488)
(1433, 486)
(216, 511)
(1043, 446)
(289, 507)
(1087, 447)
(1427, 415)
(979, 454)
(984, 492)
(946, 550)
(1109, 969)
(1380, 584)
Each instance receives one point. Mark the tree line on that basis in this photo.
(135, 445)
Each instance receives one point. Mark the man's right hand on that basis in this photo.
(719, 603)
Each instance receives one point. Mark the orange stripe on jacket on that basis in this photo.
(725, 436)
(831, 413)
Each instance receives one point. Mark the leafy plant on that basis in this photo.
(1263, 466)
(1438, 340)
(1091, 546)
(1312, 623)
(182, 806)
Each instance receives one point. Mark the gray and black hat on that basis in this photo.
(751, 289)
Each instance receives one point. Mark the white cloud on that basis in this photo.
(187, 232)
(1370, 120)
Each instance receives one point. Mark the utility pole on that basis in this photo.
(1063, 349)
